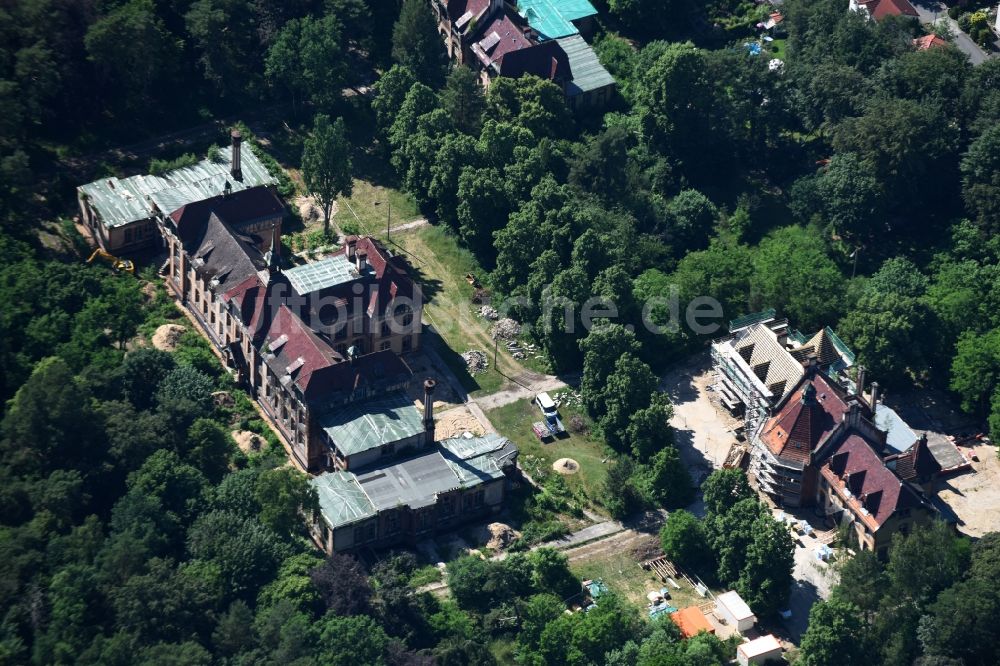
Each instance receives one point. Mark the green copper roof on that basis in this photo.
(553, 18)
(365, 425)
(588, 72)
(341, 499)
(322, 274)
(120, 201)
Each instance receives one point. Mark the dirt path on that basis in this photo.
(536, 383)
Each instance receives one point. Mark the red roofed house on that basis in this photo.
(820, 448)
(928, 42)
(535, 37)
(879, 9)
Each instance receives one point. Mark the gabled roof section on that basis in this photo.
(806, 417)
(360, 376)
(777, 370)
(828, 348)
(120, 201)
(257, 203)
(301, 355)
(928, 42)
(915, 464)
(546, 60)
(866, 485)
(225, 258)
(879, 9)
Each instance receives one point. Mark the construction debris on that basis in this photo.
(505, 329)
(476, 361)
(489, 312)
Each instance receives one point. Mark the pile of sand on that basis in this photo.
(566, 466)
(249, 442)
(167, 337)
(501, 536)
(308, 210)
(455, 423)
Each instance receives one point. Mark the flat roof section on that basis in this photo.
(414, 483)
(553, 18)
(365, 425)
(323, 274)
(734, 603)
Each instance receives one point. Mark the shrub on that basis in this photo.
(160, 167)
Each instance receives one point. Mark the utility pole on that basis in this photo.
(496, 347)
(855, 268)
(388, 217)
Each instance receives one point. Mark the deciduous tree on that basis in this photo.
(326, 164)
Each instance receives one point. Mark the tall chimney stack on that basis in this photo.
(237, 168)
(429, 385)
(874, 395)
(861, 381)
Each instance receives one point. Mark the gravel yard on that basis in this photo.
(704, 428)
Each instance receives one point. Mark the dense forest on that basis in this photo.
(856, 186)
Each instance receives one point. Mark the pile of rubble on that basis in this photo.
(476, 361)
(489, 312)
(505, 329)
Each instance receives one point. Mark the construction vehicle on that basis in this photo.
(117, 264)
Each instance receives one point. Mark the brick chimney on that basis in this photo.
(874, 395)
(237, 167)
(861, 381)
(362, 257)
(429, 385)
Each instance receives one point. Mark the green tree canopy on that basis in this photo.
(326, 164)
(417, 44)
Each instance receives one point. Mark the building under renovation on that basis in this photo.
(841, 452)
(396, 484)
(321, 347)
(761, 359)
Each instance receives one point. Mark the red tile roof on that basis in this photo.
(916, 463)
(856, 473)
(879, 9)
(806, 416)
(928, 42)
(301, 354)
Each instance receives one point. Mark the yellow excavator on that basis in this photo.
(117, 264)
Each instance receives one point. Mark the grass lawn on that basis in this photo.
(368, 208)
(440, 264)
(621, 572)
(514, 422)
(778, 49)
